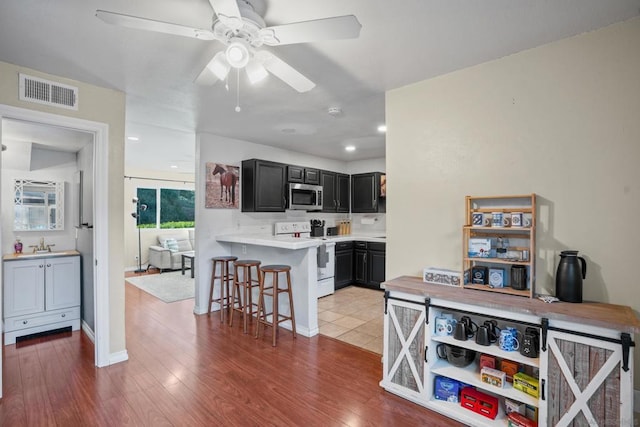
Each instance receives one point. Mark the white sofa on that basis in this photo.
(164, 258)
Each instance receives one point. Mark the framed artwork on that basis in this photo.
(222, 186)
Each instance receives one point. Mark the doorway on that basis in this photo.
(99, 161)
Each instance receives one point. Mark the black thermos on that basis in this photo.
(571, 270)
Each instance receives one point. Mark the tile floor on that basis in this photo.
(353, 315)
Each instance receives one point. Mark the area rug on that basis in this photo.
(169, 287)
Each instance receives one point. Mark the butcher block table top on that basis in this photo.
(611, 316)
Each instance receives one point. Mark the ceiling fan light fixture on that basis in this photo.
(219, 66)
(237, 54)
(256, 71)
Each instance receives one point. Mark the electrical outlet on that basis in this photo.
(244, 249)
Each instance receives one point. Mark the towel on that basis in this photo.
(323, 256)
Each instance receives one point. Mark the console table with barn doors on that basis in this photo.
(584, 366)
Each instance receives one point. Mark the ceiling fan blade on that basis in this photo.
(228, 12)
(151, 25)
(339, 27)
(206, 78)
(284, 71)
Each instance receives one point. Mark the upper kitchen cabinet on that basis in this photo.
(368, 192)
(335, 192)
(263, 186)
(303, 175)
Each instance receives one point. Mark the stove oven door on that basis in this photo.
(326, 269)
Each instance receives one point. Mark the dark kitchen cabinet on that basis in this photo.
(335, 191)
(263, 186)
(368, 194)
(303, 175)
(376, 257)
(360, 263)
(369, 264)
(344, 264)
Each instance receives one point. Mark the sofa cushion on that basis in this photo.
(172, 245)
(184, 245)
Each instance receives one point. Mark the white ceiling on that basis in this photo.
(401, 42)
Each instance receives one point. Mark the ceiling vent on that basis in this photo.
(41, 91)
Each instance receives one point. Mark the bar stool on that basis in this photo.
(225, 278)
(273, 291)
(245, 306)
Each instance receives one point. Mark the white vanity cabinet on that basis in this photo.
(585, 363)
(40, 293)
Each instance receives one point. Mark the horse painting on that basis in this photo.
(228, 181)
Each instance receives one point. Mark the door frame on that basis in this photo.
(101, 217)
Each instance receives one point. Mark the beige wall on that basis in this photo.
(562, 121)
(105, 106)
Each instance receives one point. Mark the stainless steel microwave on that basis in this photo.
(305, 197)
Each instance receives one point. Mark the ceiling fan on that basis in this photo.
(238, 24)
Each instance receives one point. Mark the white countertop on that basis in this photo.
(33, 255)
(295, 243)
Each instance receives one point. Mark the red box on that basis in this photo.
(479, 402)
(518, 420)
(487, 361)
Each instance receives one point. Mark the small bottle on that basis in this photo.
(17, 246)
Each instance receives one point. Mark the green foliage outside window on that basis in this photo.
(176, 209)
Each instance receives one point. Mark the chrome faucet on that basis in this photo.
(41, 247)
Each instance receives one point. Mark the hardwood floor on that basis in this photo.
(187, 370)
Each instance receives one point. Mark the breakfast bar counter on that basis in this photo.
(300, 254)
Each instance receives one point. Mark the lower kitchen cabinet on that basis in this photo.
(344, 264)
(583, 372)
(369, 264)
(40, 294)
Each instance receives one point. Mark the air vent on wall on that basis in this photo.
(41, 91)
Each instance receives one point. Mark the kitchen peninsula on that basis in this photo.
(301, 254)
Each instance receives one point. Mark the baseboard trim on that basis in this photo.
(120, 356)
(87, 330)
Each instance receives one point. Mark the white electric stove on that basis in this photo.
(326, 253)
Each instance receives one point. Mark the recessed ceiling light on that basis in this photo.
(174, 166)
(382, 128)
(133, 138)
(350, 148)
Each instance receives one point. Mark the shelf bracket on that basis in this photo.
(545, 328)
(427, 303)
(626, 343)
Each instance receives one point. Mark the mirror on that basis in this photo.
(39, 205)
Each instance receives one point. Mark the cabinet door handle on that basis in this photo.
(64, 315)
(48, 265)
(24, 322)
(41, 265)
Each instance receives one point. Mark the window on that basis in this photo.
(167, 208)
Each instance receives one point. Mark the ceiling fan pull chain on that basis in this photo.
(238, 109)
